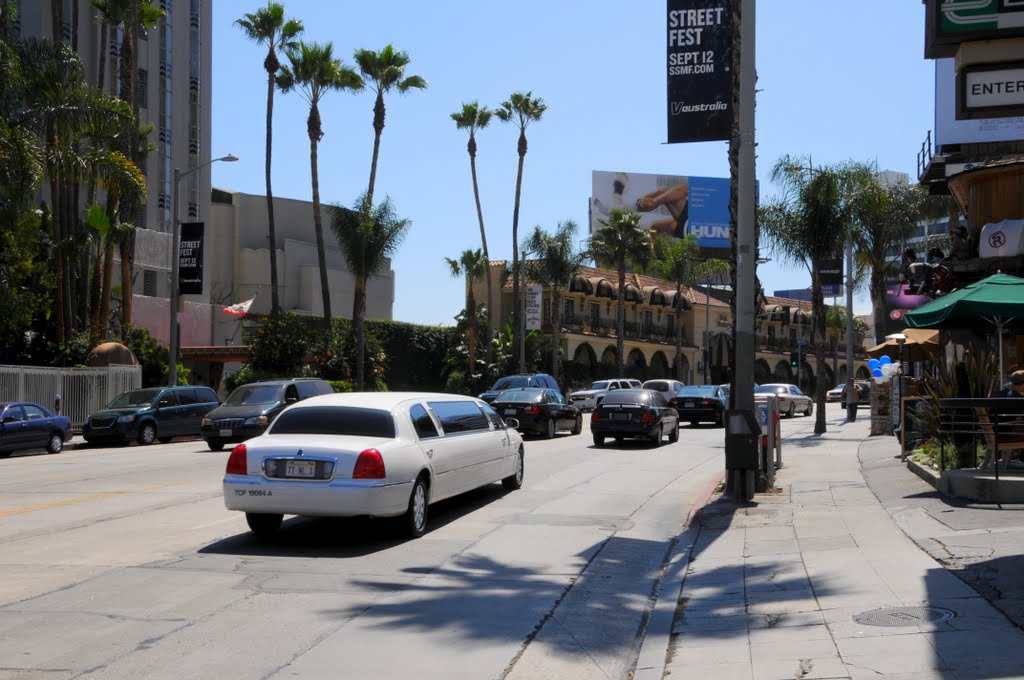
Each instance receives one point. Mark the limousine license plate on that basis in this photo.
(300, 468)
(225, 433)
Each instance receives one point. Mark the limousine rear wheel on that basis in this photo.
(416, 515)
(263, 524)
(515, 480)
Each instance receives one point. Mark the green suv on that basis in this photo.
(151, 414)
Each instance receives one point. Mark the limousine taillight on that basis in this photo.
(237, 464)
(369, 465)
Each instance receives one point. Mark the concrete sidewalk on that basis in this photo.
(817, 580)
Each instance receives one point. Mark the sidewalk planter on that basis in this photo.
(974, 484)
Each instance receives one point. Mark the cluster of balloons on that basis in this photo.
(883, 368)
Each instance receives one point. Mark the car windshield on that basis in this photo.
(628, 397)
(657, 386)
(524, 396)
(511, 382)
(254, 394)
(771, 389)
(697, 391)
(336, 420)
(134, 399)
(600, 385)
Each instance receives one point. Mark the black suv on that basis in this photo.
(249, 409)
(151, 414)
(511, 382)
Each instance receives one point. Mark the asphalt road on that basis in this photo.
(123, 562)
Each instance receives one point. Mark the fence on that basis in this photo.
(82, 390)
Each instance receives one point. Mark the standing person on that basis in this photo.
(851, 393)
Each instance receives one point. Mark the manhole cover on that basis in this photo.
(903, 616)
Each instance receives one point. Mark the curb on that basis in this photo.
(925, 473)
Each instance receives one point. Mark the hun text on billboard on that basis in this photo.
(671, 204)
(699, 41)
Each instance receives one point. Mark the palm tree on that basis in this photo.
(315, 72)
(385, 70)
(807, 225)
(618, 243)
(473, 265)
(521, 108)
(474, 117)
(267, 26)
(679, 261)
(368, 237)
(557, 262)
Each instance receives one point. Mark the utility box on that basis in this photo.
(741, 440)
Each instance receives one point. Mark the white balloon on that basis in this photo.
(879, 379)
(887, 370)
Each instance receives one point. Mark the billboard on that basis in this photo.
(190, 259)
(671, 204)
(950, 130)
(951, 22)
(897, 303)
(699, 68)
(534, 293)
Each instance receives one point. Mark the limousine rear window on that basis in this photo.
(339, 420)
(459, 416)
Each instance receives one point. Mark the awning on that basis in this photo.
(922, 345)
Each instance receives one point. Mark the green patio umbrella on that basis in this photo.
(998, 299)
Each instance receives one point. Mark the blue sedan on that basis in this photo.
(25, 425)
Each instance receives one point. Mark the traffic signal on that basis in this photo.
(794, 359)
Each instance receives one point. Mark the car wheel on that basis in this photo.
(694, 423)
(165, 440)
(673, 436)
(147, 435)
(215, 444)
(416, 516)
(792, 410)
(578, 427)
(657, 437)
(549, 432)
(810, 409)
(515, 480)
(56, 443)
(598, 440)
(263, 524)
(5, 454)
(618, 440)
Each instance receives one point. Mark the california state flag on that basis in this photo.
(240, 308)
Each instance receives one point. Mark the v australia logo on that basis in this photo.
(679, 107)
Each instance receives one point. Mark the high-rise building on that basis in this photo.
(174, 69)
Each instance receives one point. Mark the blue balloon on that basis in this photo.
(885, 360)
(873, 364)
(876, 372)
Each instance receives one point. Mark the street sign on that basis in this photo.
(533, 297)
(190, 259)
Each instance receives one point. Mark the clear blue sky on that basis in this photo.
(836, 80)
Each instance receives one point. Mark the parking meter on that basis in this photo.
(56, 404)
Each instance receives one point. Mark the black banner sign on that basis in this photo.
(699, 70)
(190, 259)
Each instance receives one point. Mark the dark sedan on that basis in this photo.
(26, 425)
(701, 402)
(639, 414)
(539, 411)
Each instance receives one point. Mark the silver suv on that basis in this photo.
(590, 398)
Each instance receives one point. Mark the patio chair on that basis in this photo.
(1008, 441)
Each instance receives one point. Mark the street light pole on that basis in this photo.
(174, 297)
(707, 331)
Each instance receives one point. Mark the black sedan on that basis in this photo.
(701, 402)
(26, 425)
(642, 414)
(539, 411)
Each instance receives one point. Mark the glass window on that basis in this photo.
(167, 398)
(291, 393)
(421, 421)
(135, 398)
(14, 414)
(207, 395)
(493, 416)
(568, 315)
(595, 315)
(254, 394)
(33, 412)
(459, 416)
(309, 388)
(335, 420)
(628, 397)
(186, 397)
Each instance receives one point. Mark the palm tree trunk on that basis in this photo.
(483, 239)
(877, 288)
(679, 332)
(102, 57)
(95, 282)
(58, 255)
(516, 330)
(620, 320)
(271, 236)
(108, 279)
(359, 328)
(471, 325)
(818, 341)
(57, 20)
(556, 331)
(378, 128)
(321, 251)
(125, 247)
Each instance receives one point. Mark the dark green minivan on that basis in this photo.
(151, 414)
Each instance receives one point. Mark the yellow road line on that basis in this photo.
(79, 499)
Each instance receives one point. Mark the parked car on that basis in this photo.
(589, 399)
(249, 409)
(835, 394)
(510, 382)
(151, 414)
(26, 425)
(791, 399)
(382, 454)
(634, 413)
(865, 393)
(539, 411)
(668, 388)
(697, 403)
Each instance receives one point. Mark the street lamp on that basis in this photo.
(174, 298)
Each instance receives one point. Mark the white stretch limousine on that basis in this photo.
(383, 454)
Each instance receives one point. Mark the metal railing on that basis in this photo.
(81, 390)
(999, 422)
